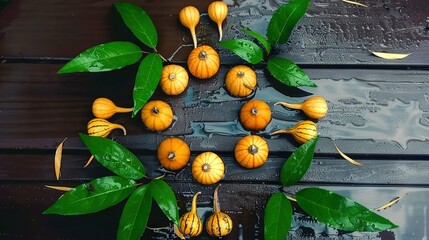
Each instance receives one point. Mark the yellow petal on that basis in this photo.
(391, 56)
(355, 3)
(347, 157)
(389, 204)
(57, 160)
(59, 188)
(178, 233)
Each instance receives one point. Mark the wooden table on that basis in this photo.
(378, 113)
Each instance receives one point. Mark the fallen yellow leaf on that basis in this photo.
(389, 204)
(59, 188)
(355, 3)
(391, 56)
(57, 160)
(347, 157)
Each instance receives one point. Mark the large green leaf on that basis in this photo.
(115, 157)
(340, 212)
(147, 79)
(277, 217)
(104, 57)
(139, 22)
(298, 163)
(288, 73)
(94, 196)
(260, 38)
(165, 198)
(135, 214)
(284, 20)
(247, 50)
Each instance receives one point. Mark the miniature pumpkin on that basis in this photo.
(240, 81)
(314, 107)
(302, 132)
(255, 115)
(102, 128)
(208, 168)
(203, 62)
(218, 224)
(251, 151)
(174, 79)
(173, 153)
(105, 108)
(157, 115)
(190, 16)
(217, 12)
(189, 223)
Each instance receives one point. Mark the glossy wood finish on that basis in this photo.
(378, 113)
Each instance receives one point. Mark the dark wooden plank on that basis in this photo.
(25, 202)
(333, 170)
(371, 111)
(332, 32)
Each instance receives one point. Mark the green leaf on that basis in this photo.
(114, 157)
(135, 214)
(147, 79)
(165, 198)
(104, 57)
(298, 163)
(340, 212)
(139, 22)
(277, 217)
(247, 50)
(260, 38)
(94, 196)
(284, 20)
(288, 73)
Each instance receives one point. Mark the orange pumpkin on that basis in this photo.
(173, 153)
(157, 115)
(302, 132)
(208, 168)
(255, 115)
(240, 81)
(174, 79)
(315, 107)
(251, 151)
(203, 62)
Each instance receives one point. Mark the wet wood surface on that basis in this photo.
(378, 113)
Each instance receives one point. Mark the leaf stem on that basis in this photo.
(162, 57)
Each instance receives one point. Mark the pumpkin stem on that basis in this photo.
(124, 110)
(171, 155)
(194, 36)
(202, 55)
(155, 110)
(172, 76)
(280, 131)
(194, 203)
(121, 127)
(248, 86)
(254, 111)
(253, 149)
(289, 105)
(219, 27)
(206, 167)
(240, 74)
(216, 206)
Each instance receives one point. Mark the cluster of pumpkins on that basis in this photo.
(174, 154)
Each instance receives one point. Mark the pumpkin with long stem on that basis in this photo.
(101, 127)
(106, 108)
(189, 223)
(314, 107)
(302, 132)
(190, 16)
(218, 224)
(217, 12)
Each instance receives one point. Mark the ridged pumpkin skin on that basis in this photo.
(255, 115)
(203, 62)
(219, 224)
(240, 81)
(315, 107)
(174, 79)
(102, 128)
(218, 12)
(157, 115)
(189, 223)
(302, 132)
(251, 151)
(106, 108)
(189, 16)
(208, 168)
(173, 153)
